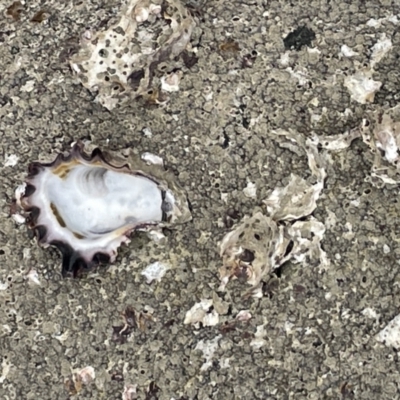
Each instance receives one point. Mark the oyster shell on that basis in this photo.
(87, 205)
(253, 249)
(260, 244)
(121, 62)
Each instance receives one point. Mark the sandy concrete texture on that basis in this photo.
(112, 335)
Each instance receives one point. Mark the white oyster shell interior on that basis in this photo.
(93, 201)
(88, 206)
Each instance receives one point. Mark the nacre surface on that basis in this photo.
(88, 205)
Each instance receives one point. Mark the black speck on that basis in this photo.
(247, 256)
(189, 59)
(300, 37)
(152, 391)
(245, 123)
(135, 77)
(226, 141)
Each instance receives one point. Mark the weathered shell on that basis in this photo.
(382, 134)
(121, 62)
(87, 205)
(253, 249)
(260, 244)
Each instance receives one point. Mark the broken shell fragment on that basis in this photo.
(121, 63)
(294, 201)
(202, 312)
(270, 245)
(88, 205)
(262, 243)
(362, 87)
(382, 134)
(252, 250)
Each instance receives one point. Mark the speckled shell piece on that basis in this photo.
(253, 249)
(121, 62)
(88, 205)
(259, 245)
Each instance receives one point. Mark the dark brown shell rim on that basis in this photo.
(73, 263)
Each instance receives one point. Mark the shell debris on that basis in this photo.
(80, 378)
(338, 142)
(243, 315)
(250, 190)
(361, 85)
(33, 277)
(346, 51)
(262, 243)
(201, 312)
(380, 49)
(382, 135)
(120, 63)
(208, 348)
(259, 338)
(155, 271)
(150, 159)
(11, 160)
(130, 392)
(390, 335)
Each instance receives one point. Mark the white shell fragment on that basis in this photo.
(86, 375)
(200, 312)
(250, 190)
(390, 335)
(338, 142)
(170, 83)
(33, 277)
(362, 87)
(80, 378)
(87, 206)
(243, 315)
(387, 137)
(294, 201)
(208, 348)
(130, 392)
(382, 134)
(121, 62)
(259, 336)
(347, 51)
(380, 49)
(19, 193)
(18, 218)
(155, 272)
(11, 160)
(150, 159)
(262, 243)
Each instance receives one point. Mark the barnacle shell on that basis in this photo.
(87, 205)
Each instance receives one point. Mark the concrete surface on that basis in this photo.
(319, 325)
